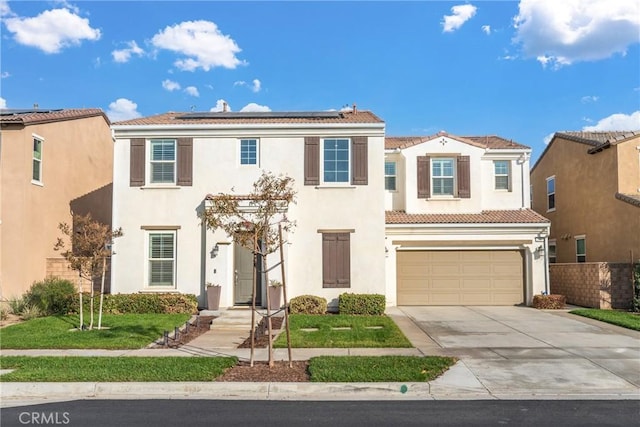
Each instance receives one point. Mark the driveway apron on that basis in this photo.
(521, 350)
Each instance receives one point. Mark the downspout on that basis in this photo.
(546, 264)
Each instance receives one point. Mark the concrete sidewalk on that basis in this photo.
(504, 352)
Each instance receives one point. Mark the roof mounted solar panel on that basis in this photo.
(263, 115)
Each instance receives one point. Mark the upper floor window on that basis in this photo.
(551, 193)
(442, 175)
(390, 176)
(336, 160)
(162, 161)
(37, 160)
(248, 151)
(581, 249)
(552, 251)
(502, 173)
(162, 258)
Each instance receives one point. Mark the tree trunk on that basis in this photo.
(265, 283)
(81, 306)
(253, 303)
(91, 302)
(104, 271)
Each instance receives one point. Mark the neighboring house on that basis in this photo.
(459, 230)
(166, 165)
(51, 162)
(588, 185)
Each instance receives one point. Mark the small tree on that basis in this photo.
(254, 224)
(90, 243)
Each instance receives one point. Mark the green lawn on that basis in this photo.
(378, 368)
(620, 318)
(113, 369)
(342, 331)
(125, 331)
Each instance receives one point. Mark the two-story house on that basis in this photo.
(52, 162)
(588, 185)
(166, 165)
(459, 230)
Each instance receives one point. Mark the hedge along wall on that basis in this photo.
(593, 284)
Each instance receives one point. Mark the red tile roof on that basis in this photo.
(183, 118)
(488, 141)
(520, 216)
(597, 138)
(31, 117)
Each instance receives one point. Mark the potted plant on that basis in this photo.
(213, 296)
(275, 294)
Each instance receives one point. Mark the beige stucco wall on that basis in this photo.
(586, 185)
(77, 164)
(628, 155)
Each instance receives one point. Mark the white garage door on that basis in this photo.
(460, 278)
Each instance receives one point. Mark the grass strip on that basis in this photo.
(123, 331)
(113, 369)
(378, 368)
(619, 318)
(343, 331)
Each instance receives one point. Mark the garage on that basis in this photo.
(460, 277)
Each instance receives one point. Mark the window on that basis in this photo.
(336, 160)
(442, 173)
(502, 174)
(552, 251)
(390, 176)
(581, 249)
(37, 160)
(336, 264)
(551, 193)
(163, 161)
(162, 257)
(248, 151)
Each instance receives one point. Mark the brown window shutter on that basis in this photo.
(424, 177)
(136, 162)
(185, 161)
(312, 160)
(336, 260)
(360, 164)
(464, 177)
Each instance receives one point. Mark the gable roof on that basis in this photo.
(516, 216)
(487, 141)
(37, 116)
(288, 117)
(632, 199)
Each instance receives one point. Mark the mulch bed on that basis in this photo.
(261, 336)
(196, 328)
(261, 372)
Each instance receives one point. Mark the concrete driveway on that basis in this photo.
(511, 351)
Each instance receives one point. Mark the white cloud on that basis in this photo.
(5, 74)
(124, 55)
(170, 85)
(486, 29)
(192, 90)
(253, 107)
(52, 30)
(461, 14)
(3, 102)
(202, 44)
(589, 98)
(617, 121)
(5, 10)
(560, 33)
(123, 109)
(220, 106)
(547, 139)
(256, 85)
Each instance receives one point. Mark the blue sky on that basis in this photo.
(519, 69)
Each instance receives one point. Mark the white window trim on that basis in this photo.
(552, 242)
(455, 179)
(508, 175)
(38, 182)
(249, 165)
(148, 161)
(346, 183)
(546, 191)
(581, 237)
(147, 286)
(395, 175)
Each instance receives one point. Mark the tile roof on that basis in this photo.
(487, 141)
(597, 138)
(633, 199)
(185, 118)
(36, 116)
(518, 216)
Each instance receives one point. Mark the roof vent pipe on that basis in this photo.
(355, 108)
(225, 107)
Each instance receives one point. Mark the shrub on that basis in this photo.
(549, 301)
(17, 305)
(31, 312)
(4, 313)
(150, 303)
(364, 304)
(308, 304)
(51, 296)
